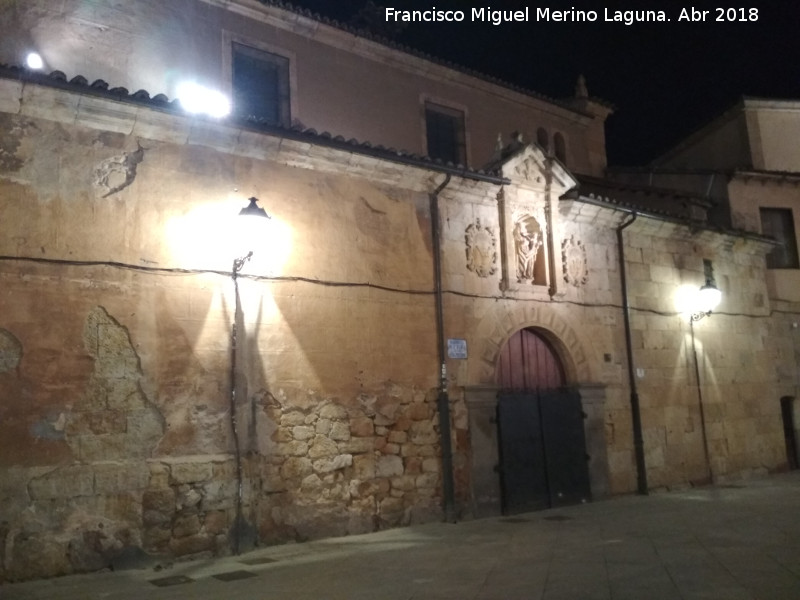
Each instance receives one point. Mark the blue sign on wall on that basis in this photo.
(456, 348)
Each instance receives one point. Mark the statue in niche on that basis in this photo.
(527, 241)
(481, 253)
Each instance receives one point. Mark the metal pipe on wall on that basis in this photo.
(636, 418)
(443, 398)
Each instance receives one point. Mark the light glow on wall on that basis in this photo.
(691, 300)
(686, 299)
(210, 236)
(198, 99)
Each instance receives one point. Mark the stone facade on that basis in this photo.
(138, 424)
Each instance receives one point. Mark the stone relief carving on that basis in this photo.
(529, 170)
(481, 249)
(528, 241)
(573, 256)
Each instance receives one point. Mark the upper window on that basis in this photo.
(779, 224)
(543, 139)
(444, 129)
(261, 85)
(560, 147)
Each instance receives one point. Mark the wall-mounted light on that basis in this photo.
(709, 295)
(34, 61)
(198, 99)
(254, 216)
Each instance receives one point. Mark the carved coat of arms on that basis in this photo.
(481, 252)
(573, 254)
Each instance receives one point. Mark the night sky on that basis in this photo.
(664, 79)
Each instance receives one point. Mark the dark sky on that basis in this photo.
(665, 79)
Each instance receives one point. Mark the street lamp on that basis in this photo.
(252, 217)
(709, 295)
(706, 299)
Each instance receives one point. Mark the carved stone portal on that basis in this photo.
(573, 256)
(481, 250)
(528, 240)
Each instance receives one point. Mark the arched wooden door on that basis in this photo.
(542, 448)
(528, 362)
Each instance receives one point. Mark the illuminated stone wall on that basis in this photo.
(116, 308)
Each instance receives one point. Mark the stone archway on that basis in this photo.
(528, 361)
(481, 391)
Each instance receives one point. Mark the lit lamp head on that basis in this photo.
(252, 218)
(709, 295)
(253, 210)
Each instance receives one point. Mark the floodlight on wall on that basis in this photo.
(708, 296)
(198, 99)
(34, 61)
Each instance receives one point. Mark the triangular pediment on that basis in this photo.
(530, 166)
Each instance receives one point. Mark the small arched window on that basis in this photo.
(560, 147)
(542, 138)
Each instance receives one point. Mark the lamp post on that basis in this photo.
(707, 299)
(254, 215)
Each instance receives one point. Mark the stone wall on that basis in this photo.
(115, 338)
(116, 350)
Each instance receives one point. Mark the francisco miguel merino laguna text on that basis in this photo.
(498, 17)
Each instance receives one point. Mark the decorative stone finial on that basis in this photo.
(498, 147)
(580, 87)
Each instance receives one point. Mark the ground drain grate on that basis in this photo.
(258, 561)
(172, 580)
(558, 518)
(234, 575)
(515, 520)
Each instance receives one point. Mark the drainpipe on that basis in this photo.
(638, 441)
(443, 399)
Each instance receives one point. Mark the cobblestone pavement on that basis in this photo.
(726, 542)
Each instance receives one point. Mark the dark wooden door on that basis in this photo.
(565, 447)
(542, 449)
(523, 471)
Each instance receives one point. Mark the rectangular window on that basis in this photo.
(779, 224)
(261, 85)
(444, 129)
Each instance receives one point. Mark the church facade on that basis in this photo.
(455, 329)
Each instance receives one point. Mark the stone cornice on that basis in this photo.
(300, 149)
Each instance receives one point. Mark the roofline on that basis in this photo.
(726, 115)
(647, 189)
(755, 174)
(731, 172)
(741, 105)
(574, 194)
(161, 103)
(757, 102)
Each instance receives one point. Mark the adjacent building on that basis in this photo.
(449, 313)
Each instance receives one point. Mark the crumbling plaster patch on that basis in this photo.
(115, 419)
(116, 173)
